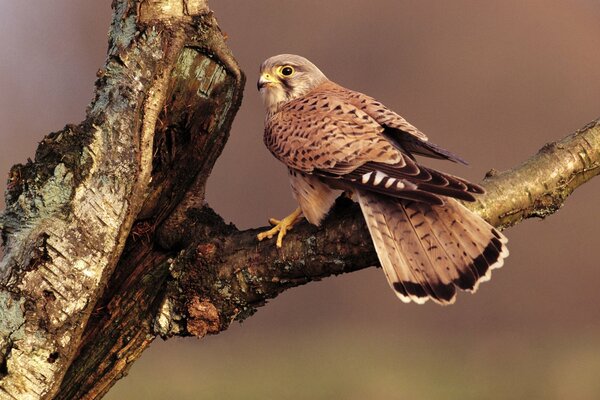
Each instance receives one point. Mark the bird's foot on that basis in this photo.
(281, 226)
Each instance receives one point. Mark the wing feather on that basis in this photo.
(339, 135)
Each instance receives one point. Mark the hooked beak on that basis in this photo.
(264, 81)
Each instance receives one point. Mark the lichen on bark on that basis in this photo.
(70, 211)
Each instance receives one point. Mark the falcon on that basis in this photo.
(335, 140)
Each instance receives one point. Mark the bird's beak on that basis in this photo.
(265, 80)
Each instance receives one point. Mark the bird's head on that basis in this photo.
(286, 77)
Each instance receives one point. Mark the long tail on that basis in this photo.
(426, 251)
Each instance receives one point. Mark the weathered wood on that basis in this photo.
(540, 186)
(203, 95)
(70, 212)
(187, 143)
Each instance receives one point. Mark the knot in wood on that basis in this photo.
(492, 172)
(203, 317)
(206, 250)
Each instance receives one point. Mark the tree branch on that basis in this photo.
(67, 218)
(540, 186)
(233, 274)
(70, 212)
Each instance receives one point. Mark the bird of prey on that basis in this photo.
(333, 139)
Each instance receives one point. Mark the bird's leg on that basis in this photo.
(281, 226)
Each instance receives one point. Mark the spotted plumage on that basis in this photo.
(334, 139)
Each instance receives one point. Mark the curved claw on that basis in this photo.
(281, 227)
(274, 221)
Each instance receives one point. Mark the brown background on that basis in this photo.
(491, 80)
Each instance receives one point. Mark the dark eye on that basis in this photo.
(287, 71)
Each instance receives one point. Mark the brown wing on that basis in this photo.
(380, 113)
(398, 130)
(325, 134)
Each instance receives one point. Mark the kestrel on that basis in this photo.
(333, 139)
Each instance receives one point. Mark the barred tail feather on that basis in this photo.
(427, 251)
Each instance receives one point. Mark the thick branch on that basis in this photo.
(540, 186)
(67, 218)
(234, 274)
(70, 212)
(202, 98)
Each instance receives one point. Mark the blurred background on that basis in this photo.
(492, 81)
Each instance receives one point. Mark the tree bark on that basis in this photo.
(164, 102)
(108, 242)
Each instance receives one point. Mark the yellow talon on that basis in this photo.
(281, 226)
(274, 221)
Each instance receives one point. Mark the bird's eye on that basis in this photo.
(287, 71)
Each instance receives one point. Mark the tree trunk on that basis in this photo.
(164, 103)
(108, 242)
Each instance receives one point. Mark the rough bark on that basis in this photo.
(109, 242)
(164, 102)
